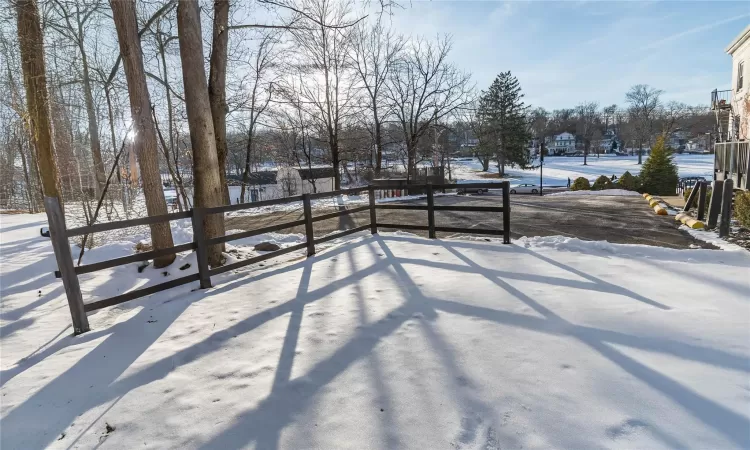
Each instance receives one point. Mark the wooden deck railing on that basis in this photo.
(69, 273)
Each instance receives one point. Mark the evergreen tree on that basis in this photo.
(659, 173)
(504, 131)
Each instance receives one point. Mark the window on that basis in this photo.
(740, 75)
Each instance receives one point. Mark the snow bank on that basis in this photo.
(392, 341)
(712, 237)
(610, 192)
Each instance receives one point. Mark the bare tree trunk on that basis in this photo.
(206, 178)
(378, 142)
(123, 13)
(29, 188)
(336, 163)
(31, 43)
(246, 171)
(640, 153)
(485, 160)
(585, 153)
(36, 178)
(217, 81)
(113, 137)
(96, 149)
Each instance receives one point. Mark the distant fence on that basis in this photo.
(69, 273)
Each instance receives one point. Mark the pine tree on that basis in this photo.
(659, 174)
(504, 130)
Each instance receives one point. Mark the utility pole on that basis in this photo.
(541, 165)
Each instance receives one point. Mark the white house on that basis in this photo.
(563, 143)
(281, 183)
(739, 50)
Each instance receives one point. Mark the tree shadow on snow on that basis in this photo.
(97, 377)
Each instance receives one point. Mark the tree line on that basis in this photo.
(107, 100)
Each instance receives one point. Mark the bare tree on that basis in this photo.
(327, 87)
(217, 81)
(587, 125)
(123, 13)
(206, 177)
(259, 98)
(671, 115)
(644, 104)
(423, 89)
(31, 43)
(374, 53)
(75, 17)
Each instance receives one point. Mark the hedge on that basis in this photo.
(602, 183)
(627, 182)
(580, 184)
(742, 208)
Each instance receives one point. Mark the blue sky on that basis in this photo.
(564, 53)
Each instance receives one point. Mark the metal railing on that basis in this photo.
(721, 99)
(69, 273)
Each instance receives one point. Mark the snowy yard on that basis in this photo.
(558, 169)
(390, 341)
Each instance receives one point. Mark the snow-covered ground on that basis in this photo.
(558, 169)
(389, 342)
(606, 192)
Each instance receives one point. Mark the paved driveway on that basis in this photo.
(625, 220)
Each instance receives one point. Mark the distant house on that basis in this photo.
(562, 144)
(261, 185)
(280, 183)
(297, 181)
(609, 142)
(678, 139)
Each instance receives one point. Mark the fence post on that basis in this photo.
(726, 208)
(60, 245)
(430, 211)
(308, 224)
(714, 207)
(702, 201)
(506, 212)
(373, 216)
(199, 237)
(691, 197)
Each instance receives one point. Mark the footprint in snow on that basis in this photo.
(627, 428)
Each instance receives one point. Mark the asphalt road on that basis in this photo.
(626, 220)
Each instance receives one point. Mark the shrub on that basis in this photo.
(742, 208)
(602, 183)
(659, 174)
(580, 184)
(627, 182)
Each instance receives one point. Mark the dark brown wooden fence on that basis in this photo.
(69, 273)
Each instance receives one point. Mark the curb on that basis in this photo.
(689, 221)
(655, 203)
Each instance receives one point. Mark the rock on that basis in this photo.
(266, 247)
(143, 247)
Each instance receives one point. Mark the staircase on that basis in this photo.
(721, 104)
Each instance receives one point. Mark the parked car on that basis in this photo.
(470, 190)
(525, 189)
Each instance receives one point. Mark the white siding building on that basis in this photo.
(563, 143)
(739, 50)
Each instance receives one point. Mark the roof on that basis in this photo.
(260, 178)
(738, 41)
(316, 173)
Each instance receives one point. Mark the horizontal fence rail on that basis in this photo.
(69, 273)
